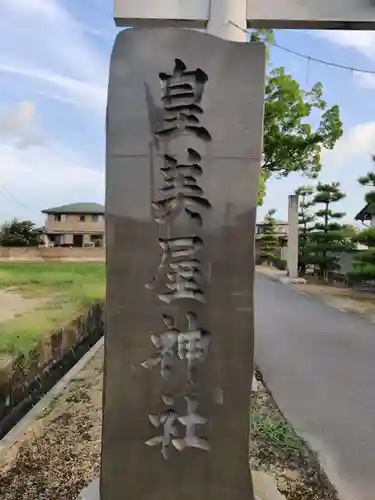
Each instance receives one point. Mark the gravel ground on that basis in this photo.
(276, 449)
(13, 304)
(60, 453)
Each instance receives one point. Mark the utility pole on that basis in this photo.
(292, 256)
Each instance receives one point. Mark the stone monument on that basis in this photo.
(184, 143)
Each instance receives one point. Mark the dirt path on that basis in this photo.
(12, 304)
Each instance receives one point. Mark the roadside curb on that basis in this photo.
(269, 276)
(16, 433)
(312, 296)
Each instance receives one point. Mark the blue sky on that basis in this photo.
(54, 57)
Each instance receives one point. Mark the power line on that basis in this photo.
(6, 190)
(322, 61)
(310, 58)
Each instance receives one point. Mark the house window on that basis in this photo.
(95, 218)
(57, 239)
(60, 239)
(82, 218)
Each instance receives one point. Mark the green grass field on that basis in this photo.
(65, 290)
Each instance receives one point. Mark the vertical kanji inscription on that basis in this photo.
(179, 277)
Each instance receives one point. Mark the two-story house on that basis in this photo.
(75, 225)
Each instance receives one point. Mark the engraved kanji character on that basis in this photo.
(180, 264)
(182, 92)
(166, 343)
(172, 167)
(193, 344)
(190, 421)
(167, 421)
(185, 282)
(181, 189)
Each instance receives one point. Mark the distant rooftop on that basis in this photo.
(367, 213)
(277, 221)
(76, 208)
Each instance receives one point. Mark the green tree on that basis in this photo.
(261, 189)
(270, 242)
(305, 220)
(364, 261)
(265, 36)
(350, 231)
(369, 181)
(291, 143)
(20, 234)
(329, 237)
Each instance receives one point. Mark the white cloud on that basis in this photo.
(74, 91)
(46, 52)
(350, 159)
(366, 80)
(363, 41)
(21, 125)
(357, 144)
(40, 34)
(44, 176)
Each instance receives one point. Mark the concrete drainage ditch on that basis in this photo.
(26, 378)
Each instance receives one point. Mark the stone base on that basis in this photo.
(91, 492)
(294, 281)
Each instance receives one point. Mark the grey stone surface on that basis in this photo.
(294, 281)
(318, 363)
(91, 492)
(208, 141)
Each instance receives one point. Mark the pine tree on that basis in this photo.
(305, 220)
(328, 238)
(364, 262)
(270, 243)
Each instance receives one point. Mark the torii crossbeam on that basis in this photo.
(288, 14)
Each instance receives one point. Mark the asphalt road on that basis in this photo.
(319, 363)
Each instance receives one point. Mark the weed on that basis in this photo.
(276, 432)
